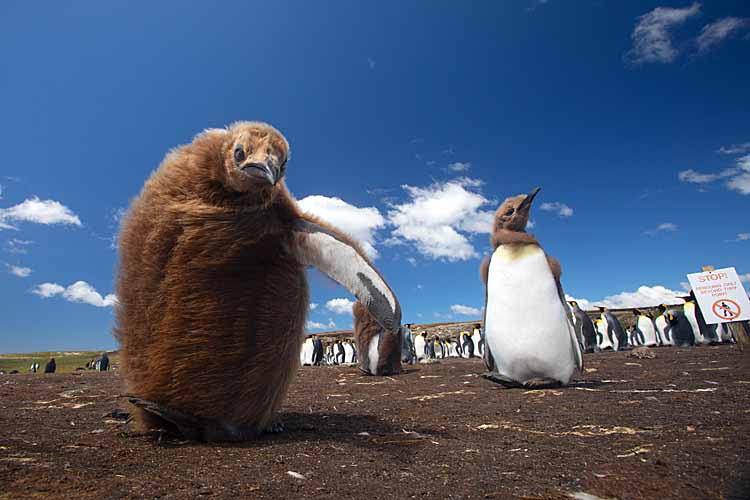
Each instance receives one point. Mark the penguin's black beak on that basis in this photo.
(526, 203)
(262, 170)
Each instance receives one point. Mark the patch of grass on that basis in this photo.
(66, 361)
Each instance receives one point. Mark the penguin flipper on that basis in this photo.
(193, 427)
(542, 383)
(575, 343)
(502, 380)
(336, 255)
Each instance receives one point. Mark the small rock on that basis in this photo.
(642, 353)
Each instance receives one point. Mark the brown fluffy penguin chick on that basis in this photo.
(212, 285)
(379, 352)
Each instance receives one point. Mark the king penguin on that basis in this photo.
(707, 332)
(662, 326)
(645, 329)
(529, 339)
(603, 339)
(308, 351)
(584, 327)
(420, 343)
(680, 329)
(689, 309)
(615, 329)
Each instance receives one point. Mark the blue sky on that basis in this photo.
(409, 122)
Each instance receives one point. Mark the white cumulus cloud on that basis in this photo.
(718, 31)
(38, 211)
(21, 272)
(737, 177)
(465, 310)
(340, 306)
(459, 167)
(437, 219)
(315, 325)
(652, 41)
(360, 223)
(79, 292)
(562, 209)
(645, 296)
(664, 227)
(735, 149)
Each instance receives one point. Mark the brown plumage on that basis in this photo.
(366, 332)
(212, 286)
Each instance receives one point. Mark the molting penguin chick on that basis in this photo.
(529, 339)
(212, 285)
(379, 350)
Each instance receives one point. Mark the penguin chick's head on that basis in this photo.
(513, 214)
(255, 156)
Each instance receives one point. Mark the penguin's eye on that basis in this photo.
(239, 154)
(510, 211)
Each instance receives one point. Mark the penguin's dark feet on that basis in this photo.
(542, 383)
(276, 428)
(502, 380)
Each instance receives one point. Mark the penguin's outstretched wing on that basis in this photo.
(322, 246)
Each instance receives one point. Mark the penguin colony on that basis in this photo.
(213, 296)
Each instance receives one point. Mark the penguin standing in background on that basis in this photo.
(529, 339)
(51, 366)
(439, 348)
(477, 340)
(680, 329)
(452, 348)
(634, 335)
(104, 362)
(662, 326)
(467, 345)
(306, 354)
(584, 327)
(689, 310)
(615, 329)
(603, 338)
(348, 352)
(407, 347)
(692, 309)
(721, 332)
(317, 358)
(645, 329)
(429, 349)
(340, 353)
(420, 343)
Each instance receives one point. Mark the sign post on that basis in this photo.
(720, 295)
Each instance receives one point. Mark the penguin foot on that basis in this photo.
(502, 380)
(276, 428)
(188, 425)
(542, 383)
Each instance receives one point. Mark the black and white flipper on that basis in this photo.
(325, 249)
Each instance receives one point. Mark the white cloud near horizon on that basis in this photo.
(79, 292)
(664, 227)
(465, 310)
(562, 209)
(16, 246)
(21, 272)
(718, 31)
(438, 219)
(645, 296)
(652, 41)
(38, 211)
(340, 306)
(737, 178)
(315, 325)
(359, 223)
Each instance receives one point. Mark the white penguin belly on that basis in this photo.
(661, 325)
(527, 329)
(646, 326)
(348, 354)
(419, 346)
(307, 353)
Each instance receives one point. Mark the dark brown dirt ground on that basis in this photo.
(671, 427)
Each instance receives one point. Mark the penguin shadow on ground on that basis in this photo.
(336, 429)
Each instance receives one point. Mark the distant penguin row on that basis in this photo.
(672, 327)
(314, 353)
